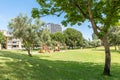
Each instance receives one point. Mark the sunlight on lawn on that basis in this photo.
(81, 64)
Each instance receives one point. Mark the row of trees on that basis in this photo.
(32, 33)
(114, 36)
(70, 37)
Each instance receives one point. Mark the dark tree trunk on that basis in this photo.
(107, 57)
(104, 39)
(115, 48)
(29, 53)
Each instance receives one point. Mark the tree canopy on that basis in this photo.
(22, 28)
(59, 37)
(45, 37)
(114, 36)
(73, 37)
(102, 12)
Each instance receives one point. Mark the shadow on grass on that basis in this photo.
(112, 50)
(16, 66)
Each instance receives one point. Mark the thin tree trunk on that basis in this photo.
(115, 48)
(107, 57)
(29, 53)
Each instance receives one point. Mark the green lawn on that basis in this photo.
(83, 64)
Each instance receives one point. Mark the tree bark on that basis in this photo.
(107, 57)
(104, 39)
(115, 48)
(29, 53)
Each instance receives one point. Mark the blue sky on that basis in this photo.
(12, 8)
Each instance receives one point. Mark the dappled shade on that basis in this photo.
(20, 66)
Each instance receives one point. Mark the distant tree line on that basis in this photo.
(114, 37)
(33, 34)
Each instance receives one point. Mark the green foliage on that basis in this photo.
(105, 13)
(73, 37)
(45, 37)
(95, 41)
(22, 28)
(2, 38)
(114, 35)
(94, 36)
(86, 44)
(59, 37)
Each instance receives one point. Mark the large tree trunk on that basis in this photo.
(107, 57)
(104, 39)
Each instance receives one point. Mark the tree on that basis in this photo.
(59, 37)
(2, 39)
(114, 36)
(101, 13)
(86, 43)
(45, 36)
(94, 37)
(22, 28)
(95, 41)
(72, 37)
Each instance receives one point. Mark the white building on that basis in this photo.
(54, 27)
(11, 42)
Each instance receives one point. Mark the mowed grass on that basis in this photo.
(81, 64)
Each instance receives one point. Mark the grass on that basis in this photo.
(83, 64)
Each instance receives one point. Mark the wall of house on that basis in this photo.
(11, 42)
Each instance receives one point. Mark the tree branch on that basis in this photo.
(91, 18)
(99, 17)
(80, 9)
(112, 13)
(78, 6)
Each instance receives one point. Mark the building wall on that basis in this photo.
(14, 43)
(11, 43)
(54, 27)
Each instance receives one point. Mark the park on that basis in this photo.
(60, 40)
(78, 64)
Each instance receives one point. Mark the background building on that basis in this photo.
(53, 28)
(11, 42)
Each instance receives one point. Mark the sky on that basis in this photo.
(9, 9)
